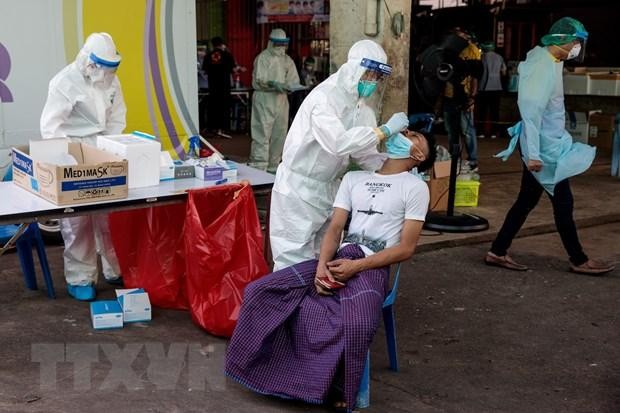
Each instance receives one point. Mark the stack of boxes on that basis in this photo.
(131, 306)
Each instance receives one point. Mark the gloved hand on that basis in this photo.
(279, 87)
(397, 122)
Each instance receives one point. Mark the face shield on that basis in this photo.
(576, 49)
(279, 47)
(582, 38)
(372, 83)
(570, 35)
(101, 72)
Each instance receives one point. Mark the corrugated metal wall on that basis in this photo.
(210, 19)
(241, 23)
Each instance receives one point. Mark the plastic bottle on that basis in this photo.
(194, 147)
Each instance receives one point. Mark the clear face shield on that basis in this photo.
(372, 84)
(279, 46)
(101, 72)
(576, 50)
(583, 40)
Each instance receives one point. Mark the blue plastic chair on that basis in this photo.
(363, 395)
(30, 238)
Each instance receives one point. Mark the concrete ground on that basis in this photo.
(471, 338)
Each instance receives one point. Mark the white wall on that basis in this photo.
(347, 22)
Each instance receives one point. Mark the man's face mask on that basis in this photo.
(365, 88)
(398, 147)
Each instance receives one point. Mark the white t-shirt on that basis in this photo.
(380, 204)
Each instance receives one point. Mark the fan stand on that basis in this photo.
(450, 221)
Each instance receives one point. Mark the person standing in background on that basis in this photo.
(219, 65)
(490, 90)
(274, 74)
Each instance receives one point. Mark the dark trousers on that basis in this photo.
(529, 194)
(219, 109)
(488, 111)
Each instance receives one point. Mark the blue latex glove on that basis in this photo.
(279, 87)
(398, 146)
(397, 122)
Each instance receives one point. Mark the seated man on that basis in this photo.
(300, 326)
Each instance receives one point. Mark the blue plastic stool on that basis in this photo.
(29, 239)
(363, 395)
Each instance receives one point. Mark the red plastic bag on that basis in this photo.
(149, 247)
(223, 254)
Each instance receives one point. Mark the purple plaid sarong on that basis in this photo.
(290, 341)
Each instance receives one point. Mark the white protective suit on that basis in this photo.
(332, 127)
(270, 106)
(80, 108)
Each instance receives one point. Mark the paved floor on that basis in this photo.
(471, 338)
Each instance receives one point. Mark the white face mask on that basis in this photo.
(574, 52)
(100, 78)
(279, 50)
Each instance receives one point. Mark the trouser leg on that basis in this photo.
(494, 100)
(528, 197)
(469, 132)
(262, 125)
(293, 228)
(278, 135)
(562, 201)
(105, 248)
(80, 255)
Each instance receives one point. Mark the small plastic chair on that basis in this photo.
(363, 395)
(29, 239)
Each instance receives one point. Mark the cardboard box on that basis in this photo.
(217, 174)
(576, 83)
(97, 176)
(183, 170)
(602, 126)
(438, 186)
(166, 166)
(135, 304)
(106, 315)
(142, 154)
(607, 84)
(577, 125)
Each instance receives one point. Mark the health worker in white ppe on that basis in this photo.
(274, 75)
(335, 125)
(85, 100)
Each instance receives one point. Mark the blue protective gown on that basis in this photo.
(541, 131)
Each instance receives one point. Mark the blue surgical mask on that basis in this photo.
(365, 88)
(398, 147)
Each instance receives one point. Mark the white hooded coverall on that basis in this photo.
(332, 127)
(270, 107)
(79, 109)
